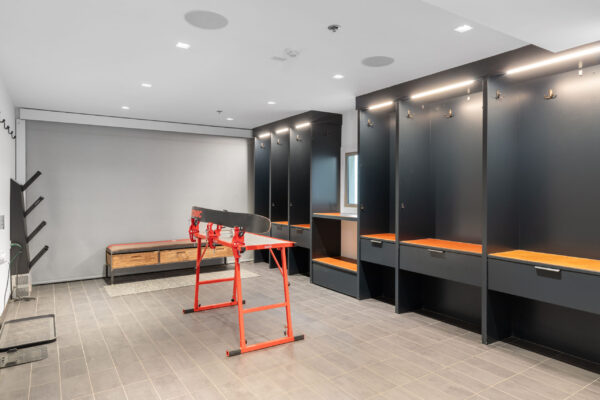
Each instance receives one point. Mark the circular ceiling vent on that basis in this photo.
(206, 19)
(377, 61)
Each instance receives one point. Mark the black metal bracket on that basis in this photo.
(36, 231)
(38, 256)
(31, 180)
(34, 205)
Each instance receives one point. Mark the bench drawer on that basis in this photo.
(552, 285)
(179, 255)
(134, 259)
(280, 231)
(218, 252)
(301, 236)
(378, 252)
(342, 281)
(463, 268)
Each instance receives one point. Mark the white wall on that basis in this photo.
(105, 185)
(349, 145)
(7, 171)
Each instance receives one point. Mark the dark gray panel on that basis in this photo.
(300, 145)
(300, 236)
(325, 235)
(456, 167)
(379, 252)
(261, 176)
(464, 268)
(280, 152)
(325, 168)
(559, 165)
(564, 288)
(299, 261)
(335, 279)
(415, 191)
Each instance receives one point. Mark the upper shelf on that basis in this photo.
(302, 226)
(280, 222)
(388, 237)
(463, 247)
(336, 215)
(533, 257)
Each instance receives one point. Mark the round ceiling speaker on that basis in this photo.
(206, 19)
(377, 61)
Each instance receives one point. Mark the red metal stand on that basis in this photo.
(238, 246)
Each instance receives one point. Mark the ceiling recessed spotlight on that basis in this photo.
(377, 61)
(463, 28)
(271, 103)
(146, 85)
(229, 119)
(182, 45)
(338, 76)
(206, 19)
(124, 107)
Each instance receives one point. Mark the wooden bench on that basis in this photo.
(138, 258)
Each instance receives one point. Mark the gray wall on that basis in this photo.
(112, 185)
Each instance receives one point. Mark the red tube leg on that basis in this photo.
(286, 290)
(240, 302)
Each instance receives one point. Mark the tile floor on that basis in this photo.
(142, 347)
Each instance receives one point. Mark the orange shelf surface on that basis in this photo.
(587, 264)
(447, 245)
(305, 226)
(339, 262)
(333, 214)
(381, 236)
(280, 222)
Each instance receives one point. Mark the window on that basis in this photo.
(351, 179)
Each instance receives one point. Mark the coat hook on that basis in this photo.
(551, 95)
(262, 145)
(450, 114)
(370, 123)
(409, 115)
(298, 138)
(499, 95)
(278, 141)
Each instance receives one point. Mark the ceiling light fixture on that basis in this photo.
(182, 45)
(146, 85)
(463, 28)
(264, 135)
(125, 107)
(443, 89)
(381, 105)
(229, 119)
(303, 125)
(338, 76)
(282, 130)
(271, 103)
(554, 60)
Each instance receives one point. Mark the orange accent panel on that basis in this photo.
(336, 262)
(381, 236)
(306, 226)
(587, 264)
(447, 244)
(336, 214)
(280, 222)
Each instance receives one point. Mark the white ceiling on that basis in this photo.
(92, 56)
(554, 25)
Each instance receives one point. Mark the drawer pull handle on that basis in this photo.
(376, 242)
(547, 269)
(435, 251)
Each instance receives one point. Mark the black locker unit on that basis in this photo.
(377, 246)
(543, 197)
(262, 154)
(296, 147)
(440, 195)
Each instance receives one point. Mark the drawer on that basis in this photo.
(336, 279)
(134, 259)
(378, 252)
(552, 285)
(218, 252)
(463, 268)
(280, 231)
(301, 236)
(177, 255)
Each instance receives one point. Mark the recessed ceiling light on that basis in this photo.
(229, 119)
(338, 76)
(206, 19)
(125, 107)
(146, 85)
(377, 61)
(271, 103)
(182, 45)
(463, 28)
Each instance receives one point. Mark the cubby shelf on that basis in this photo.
(451, 245)
(338, 262)
(387, 237)
(578, 264)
